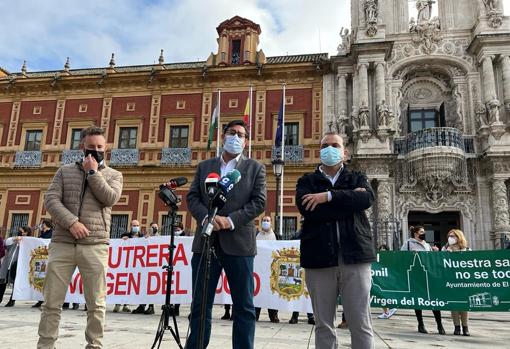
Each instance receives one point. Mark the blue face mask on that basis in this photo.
(233, 144)
(331, 156)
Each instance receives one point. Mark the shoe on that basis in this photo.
(384, 316)
(440, 329)
(343, 325)
(456, 331)
(139, 310)
(150, 310)
(37, 305)
(65, 306)
(126, 309)
(465, 331)
(116, 308)
(226, 316)
(10, 303)
(293, 320)
(421, 328)
(311, 321)
(76, 306)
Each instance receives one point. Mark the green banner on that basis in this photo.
(472, 280)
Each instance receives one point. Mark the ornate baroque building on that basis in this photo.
(157, 120)
(424, 102)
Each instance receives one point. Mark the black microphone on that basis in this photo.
(176, 182)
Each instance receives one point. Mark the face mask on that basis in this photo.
(233, 144)
(135, 229)
(452, 241)
(331, 156)
(154, 230)
(98, 155)
(266, 226)
(421, 237)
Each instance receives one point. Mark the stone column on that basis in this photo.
(380, 88)
(500, 215)
(489, 85)
(342, 93)
(505, 63)
(363, 84)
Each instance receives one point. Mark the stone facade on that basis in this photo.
(423, 102)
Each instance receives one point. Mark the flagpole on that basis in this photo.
(219, 125)
(280, 225)
(249, 122)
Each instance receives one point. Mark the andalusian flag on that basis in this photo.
(212, 127)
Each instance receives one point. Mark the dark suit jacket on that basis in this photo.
(245, 202)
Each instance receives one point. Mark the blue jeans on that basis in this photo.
(239, 271)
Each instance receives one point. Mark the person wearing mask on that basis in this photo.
(337, 248)
(133, 231)
(417, 243)
(234, 237)
(152, 231)
(80, 200)
(10, 263)
(456, 243)
(267, 233)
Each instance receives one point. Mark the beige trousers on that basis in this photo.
(92, 262)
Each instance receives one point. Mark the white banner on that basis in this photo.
(135, 274)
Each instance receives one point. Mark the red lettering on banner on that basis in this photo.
(76, 283)
(180, 255)
(163, 255)
(153, 283)
(128, 250)
(110, 256)
(139, 254)
(256, 281)
(152, 255)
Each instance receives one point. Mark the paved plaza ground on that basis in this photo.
(18, 329)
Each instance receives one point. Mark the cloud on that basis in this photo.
(46, 32)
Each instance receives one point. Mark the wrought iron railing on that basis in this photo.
(293, 153)
(434, 137)
(71, 156)
(175, 156)
(28, 159)
(124, 157)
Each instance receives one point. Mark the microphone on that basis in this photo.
(211, 184)
(176, 182)
(227, 182)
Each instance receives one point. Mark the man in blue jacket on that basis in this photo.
(336, 245)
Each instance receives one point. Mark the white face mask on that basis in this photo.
(452, 240)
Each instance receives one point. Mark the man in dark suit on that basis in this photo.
(233, 239)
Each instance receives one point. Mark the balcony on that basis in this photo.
(71, 156)
(124, 157)
(434, 137)
(28, 159)
(293, 153)
(175, 156)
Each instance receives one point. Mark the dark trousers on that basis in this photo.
(419, 316)
(239, 271)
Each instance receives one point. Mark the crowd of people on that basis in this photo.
(337, 247)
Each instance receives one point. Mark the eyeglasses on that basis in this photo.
(233, 132)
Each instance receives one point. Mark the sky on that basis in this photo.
(45, 32)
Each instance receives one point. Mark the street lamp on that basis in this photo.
(277, 170)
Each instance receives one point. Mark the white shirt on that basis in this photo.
(331, 179)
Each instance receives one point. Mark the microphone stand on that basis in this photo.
(168, 309)
(208, 248)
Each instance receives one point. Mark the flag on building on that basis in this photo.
(212, 127)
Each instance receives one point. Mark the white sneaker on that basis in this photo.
(391, 312)
(116, 308)
(384, 316)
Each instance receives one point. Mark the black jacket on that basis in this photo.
(343, 218)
